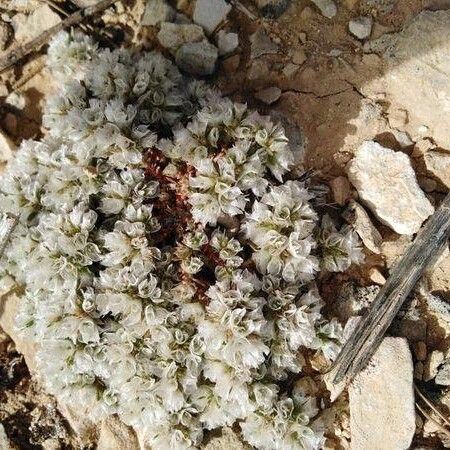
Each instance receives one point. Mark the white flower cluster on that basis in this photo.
(142, 305)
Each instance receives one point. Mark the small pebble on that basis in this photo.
(299, 57)
(361, 27)
(290, 69)
(327, 8)
(227, 42)
(376, 276)
(261, 44)
(210, 13)
(268, 95)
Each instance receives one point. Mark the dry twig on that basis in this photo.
(368, 333)
(20, 52)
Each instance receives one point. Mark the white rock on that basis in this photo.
(268, 95)
(227, 42)
(6, 147)
(4, 441)
(261, 44)
(157, 11)
(387, 184)
(433, 361)
(438, 164)
(173, 35)
(358, 217)
(418, 75)
(197, 58)
(210, 13)
(382, 414)
(327, 7)
(361, 27)
(115, 435)
(27, 27)
(443, 375)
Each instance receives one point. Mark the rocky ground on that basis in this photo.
(337, 75)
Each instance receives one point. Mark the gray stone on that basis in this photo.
(173, 36)
(438, 164)
(4, 441)
(272, 8)
(290, 69)
(327, 7)
(417, 78)
(227, 42)
(268, 95)
(358, 217)
(361, 27)
(197, 58)
(261, 44)
(443, 375)
(387, 184)
(434, 360)
(210, 13)
(157, 11)
(381, 397)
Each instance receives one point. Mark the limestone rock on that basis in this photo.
(173, 35)
(115, 435)
(327, 7)
(227, 42)
(418, 75)
(27, 27)
(434, 360)
(382, 414)
(272, 8)
(210, 13)
(356, 215)
(261, 44)
(268, 95)
(438, 164)
(438, 278)
(4, 441)
(6, 147)
(361, 27)
(443, 375)
(197, 58)
(157, 11)
(387, 184)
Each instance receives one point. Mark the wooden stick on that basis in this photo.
(16, 54)
(368, 333)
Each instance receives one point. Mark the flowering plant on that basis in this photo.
(168, 268)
